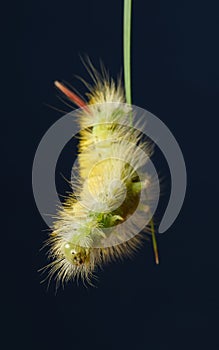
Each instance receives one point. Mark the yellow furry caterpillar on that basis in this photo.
(112, 192)
(88, 230)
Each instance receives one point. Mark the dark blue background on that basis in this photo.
(175, 76)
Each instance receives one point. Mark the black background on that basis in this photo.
(175, 59)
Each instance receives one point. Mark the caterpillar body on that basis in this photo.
(88, 231)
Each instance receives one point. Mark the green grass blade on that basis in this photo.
(127, 49)
(127, 81)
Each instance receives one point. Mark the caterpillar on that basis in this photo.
(112, 193)
(89, 229)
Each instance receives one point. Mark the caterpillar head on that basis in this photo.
(76, 255)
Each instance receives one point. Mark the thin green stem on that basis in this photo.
(127, 49)
(127, 80)
(154, 242)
